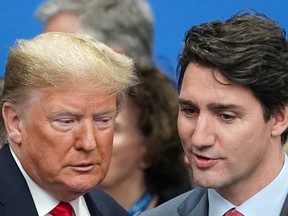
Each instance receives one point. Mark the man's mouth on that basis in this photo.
(203, 162)
(87, 167)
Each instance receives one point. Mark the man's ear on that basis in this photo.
(280, 121)
(12, 122)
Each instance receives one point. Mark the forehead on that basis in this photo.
(203, 75)
(208, 84)
(90, 93)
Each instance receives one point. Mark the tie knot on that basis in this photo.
(62, 209)
(233, 212)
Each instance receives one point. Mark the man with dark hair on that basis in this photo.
(233, 117)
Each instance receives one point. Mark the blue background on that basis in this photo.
(172, 19)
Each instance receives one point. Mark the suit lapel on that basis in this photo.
(284, 211)
(15, 197)
(100, 204)
(199, 205)
(195, 204)
(92, 204)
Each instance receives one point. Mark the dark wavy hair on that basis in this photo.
(156, 98)
(250, 50)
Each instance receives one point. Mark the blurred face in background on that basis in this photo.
(129, 147)
(62, 22)
(70, 22)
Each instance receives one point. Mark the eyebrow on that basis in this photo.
(185, 102)
(212, 106)
(72, 113)
(219, 106)
(107, 112)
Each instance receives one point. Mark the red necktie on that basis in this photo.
(62, 209)
(233, 212)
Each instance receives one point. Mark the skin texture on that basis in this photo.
(63, 138)
(225, 138)
(62, 22)
(127, 163)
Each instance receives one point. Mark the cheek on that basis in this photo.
(246, 141)
(105, 143)
(185, 129)
(128, 147)
(124, 147)
(119, 150)
(42, 167)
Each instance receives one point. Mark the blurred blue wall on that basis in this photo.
(172, 19)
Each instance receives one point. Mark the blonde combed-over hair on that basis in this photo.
(53, 59)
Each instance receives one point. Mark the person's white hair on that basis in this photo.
(125, 24)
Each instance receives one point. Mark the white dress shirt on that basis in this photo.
(267, 202)
(44, 202)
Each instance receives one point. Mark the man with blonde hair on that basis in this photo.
(61, 95)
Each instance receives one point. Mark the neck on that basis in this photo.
(267, 170)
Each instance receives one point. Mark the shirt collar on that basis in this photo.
(217, 204)
(273, 195)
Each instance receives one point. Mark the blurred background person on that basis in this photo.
(61, 15)
(127, 26)
(147, 166)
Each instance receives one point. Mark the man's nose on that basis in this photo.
(204, 131)
(87, 136)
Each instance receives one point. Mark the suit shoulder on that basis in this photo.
(171, 207)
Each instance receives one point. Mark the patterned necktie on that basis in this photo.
(62, 209)
(233, 212)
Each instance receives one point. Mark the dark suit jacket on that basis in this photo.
(193, 203)
(16, 200)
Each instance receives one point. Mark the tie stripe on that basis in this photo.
(233, 212)
(62, 209)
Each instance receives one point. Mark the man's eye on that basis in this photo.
(188, 111)
(104, 123)
(63, 124)
(65, 121)
(227, 117)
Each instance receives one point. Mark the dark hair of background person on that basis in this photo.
(124, 24)
(156, 97)
(255, 57)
